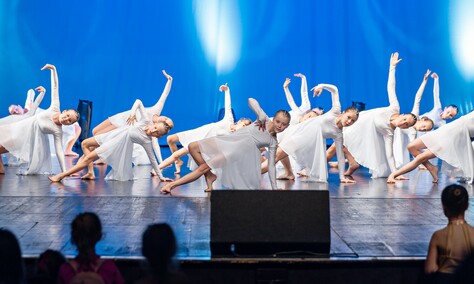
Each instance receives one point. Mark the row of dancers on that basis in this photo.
(378, 139)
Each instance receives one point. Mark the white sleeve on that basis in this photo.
(54, 89)
(58, 147)
(255, 107)
(29, 99)
(149, 152)
(419, 94)
(158, 107)
(388, 141)
(228, 107)
(290, 100)
(37, 102)
(341, 160)
(334, 95)
(392, 95)
(271, 166)
(138, 105)
(305, 104)
(437, 102)
(156, 149)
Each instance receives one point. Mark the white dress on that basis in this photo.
(28, 139)
(306, 141)
(452, 144)
(139, 155)
(235, 158)
(370, 138)
(402, 137)
(116, 146)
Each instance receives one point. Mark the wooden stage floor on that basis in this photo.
(369, 219)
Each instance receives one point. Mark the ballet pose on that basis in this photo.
(438, 114)
(306, 141)
(120, 119)
(18, 113)
(235, 157)
(451, 143)
(369, 142)
(116, 147)
(28, 139)
(224, 126)
(402, 137)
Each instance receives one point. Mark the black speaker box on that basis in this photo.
(270, 223)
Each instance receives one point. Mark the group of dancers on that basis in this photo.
(379, 139)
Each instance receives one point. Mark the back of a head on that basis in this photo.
(159, 246)
(86, 232)
(455, 200)
(11, 262)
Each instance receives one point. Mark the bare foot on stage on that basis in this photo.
(88, 176)
(333, 164)
(286, 177)
(71, 154)
(54, 179)
(434, 173)
(210, 178)
(352, 168)
(302, 173)
(178, 165)
(167, 188)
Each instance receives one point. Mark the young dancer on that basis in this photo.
(235, 158)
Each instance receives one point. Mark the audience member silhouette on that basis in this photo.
(86, 232)
(11, 262)
(47, 267)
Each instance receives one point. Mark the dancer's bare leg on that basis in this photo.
(68, 151)
(288, 175)
(88, 146)
(174, 158)
(330, 152)
(172, 140)
(103, 127)
(2, 167)
(353, 165)
(420, 158)
(202, 169)
(280, 154)
(78, 167)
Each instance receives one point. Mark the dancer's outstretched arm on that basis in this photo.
(416, 104)
(34, 106)
(392, 95)
(289, 97)
(305, 103)
(158, 107)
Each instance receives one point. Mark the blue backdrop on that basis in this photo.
(112, 52)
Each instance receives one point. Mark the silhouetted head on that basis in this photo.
(455, 200)
(86, 232)
(159, 246)
(48, 265)
(11, 263)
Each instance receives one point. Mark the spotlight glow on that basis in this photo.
(220, 32)
(462, 36)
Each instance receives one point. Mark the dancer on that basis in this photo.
(402, 137)
(451, 143)
(28, 139)
(438, 114)
(369, 142)
(224, 126)
(116, 147)
(18, 113)
(452, 244)
(235, 158)
(120, 119)
(306, 141)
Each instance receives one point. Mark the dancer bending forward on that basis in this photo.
(235, 158)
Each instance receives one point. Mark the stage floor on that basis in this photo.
(369, 219)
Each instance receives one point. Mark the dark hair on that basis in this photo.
(11, 263)
(425, 118)
(159, 246)
(284, 113)
(86, 232)
(353, 109)
(320, 108)
(47, 266)
(453, 106)
(415, 118)
(455, 200)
